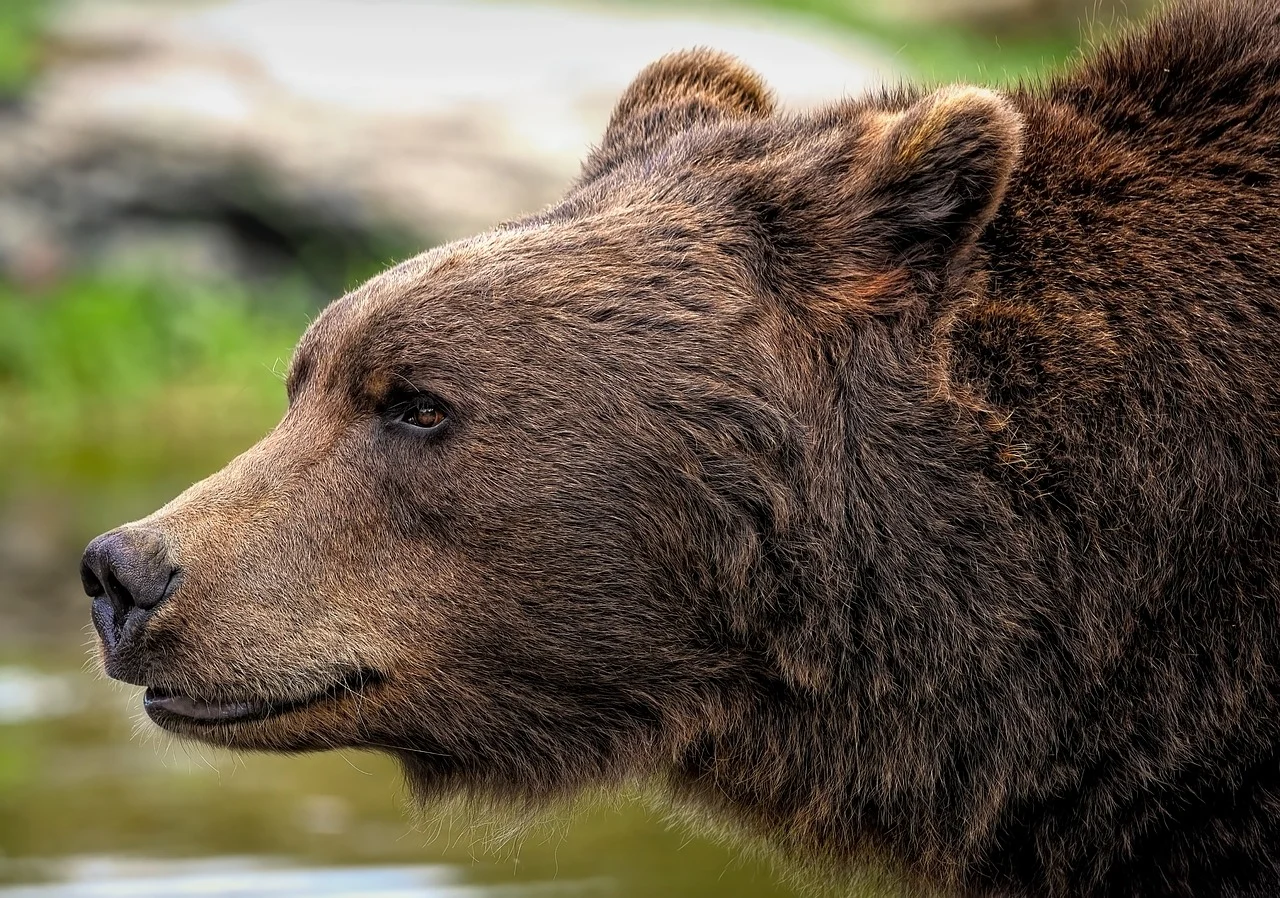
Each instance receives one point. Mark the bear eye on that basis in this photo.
(424, 413)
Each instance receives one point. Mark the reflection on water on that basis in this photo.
(95, 802)
(26, 694)
(250, 877)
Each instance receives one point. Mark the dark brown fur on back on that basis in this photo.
(900, 480)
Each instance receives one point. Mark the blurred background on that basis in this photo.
(182, 185)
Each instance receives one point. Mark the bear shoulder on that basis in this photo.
(1196, 71)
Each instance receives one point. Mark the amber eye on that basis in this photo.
(424, 413)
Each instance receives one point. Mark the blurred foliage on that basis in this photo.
(987, 49)
(20, 27)
(103, 376)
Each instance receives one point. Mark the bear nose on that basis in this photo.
(127, 573)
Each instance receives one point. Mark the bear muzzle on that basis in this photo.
(130, 573)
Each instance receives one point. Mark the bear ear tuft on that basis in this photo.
(936, 174)
(679, 91)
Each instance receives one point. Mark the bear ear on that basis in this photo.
(935, 175)
(679, 91)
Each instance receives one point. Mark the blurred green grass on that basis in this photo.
(938, 50)
(21, 23)
(104, 377)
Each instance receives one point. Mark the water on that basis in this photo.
(96, 802)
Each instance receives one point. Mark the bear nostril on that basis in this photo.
(92, 585)
(121, 599)
(126, 573)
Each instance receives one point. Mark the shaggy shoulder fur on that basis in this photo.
(1057, 614)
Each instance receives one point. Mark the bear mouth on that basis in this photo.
(170, 707)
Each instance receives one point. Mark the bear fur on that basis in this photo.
(898, 480)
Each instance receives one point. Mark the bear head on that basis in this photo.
(549, 504)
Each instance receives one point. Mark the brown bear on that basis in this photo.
(899, 480)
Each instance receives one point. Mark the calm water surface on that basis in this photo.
(96, 802)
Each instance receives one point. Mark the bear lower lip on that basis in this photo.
(162, 705)
(195, 709)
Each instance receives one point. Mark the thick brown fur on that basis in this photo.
(899, 480)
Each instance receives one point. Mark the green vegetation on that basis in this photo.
(20, 26)
(104, 376)
(936, 51)
(937, 54)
